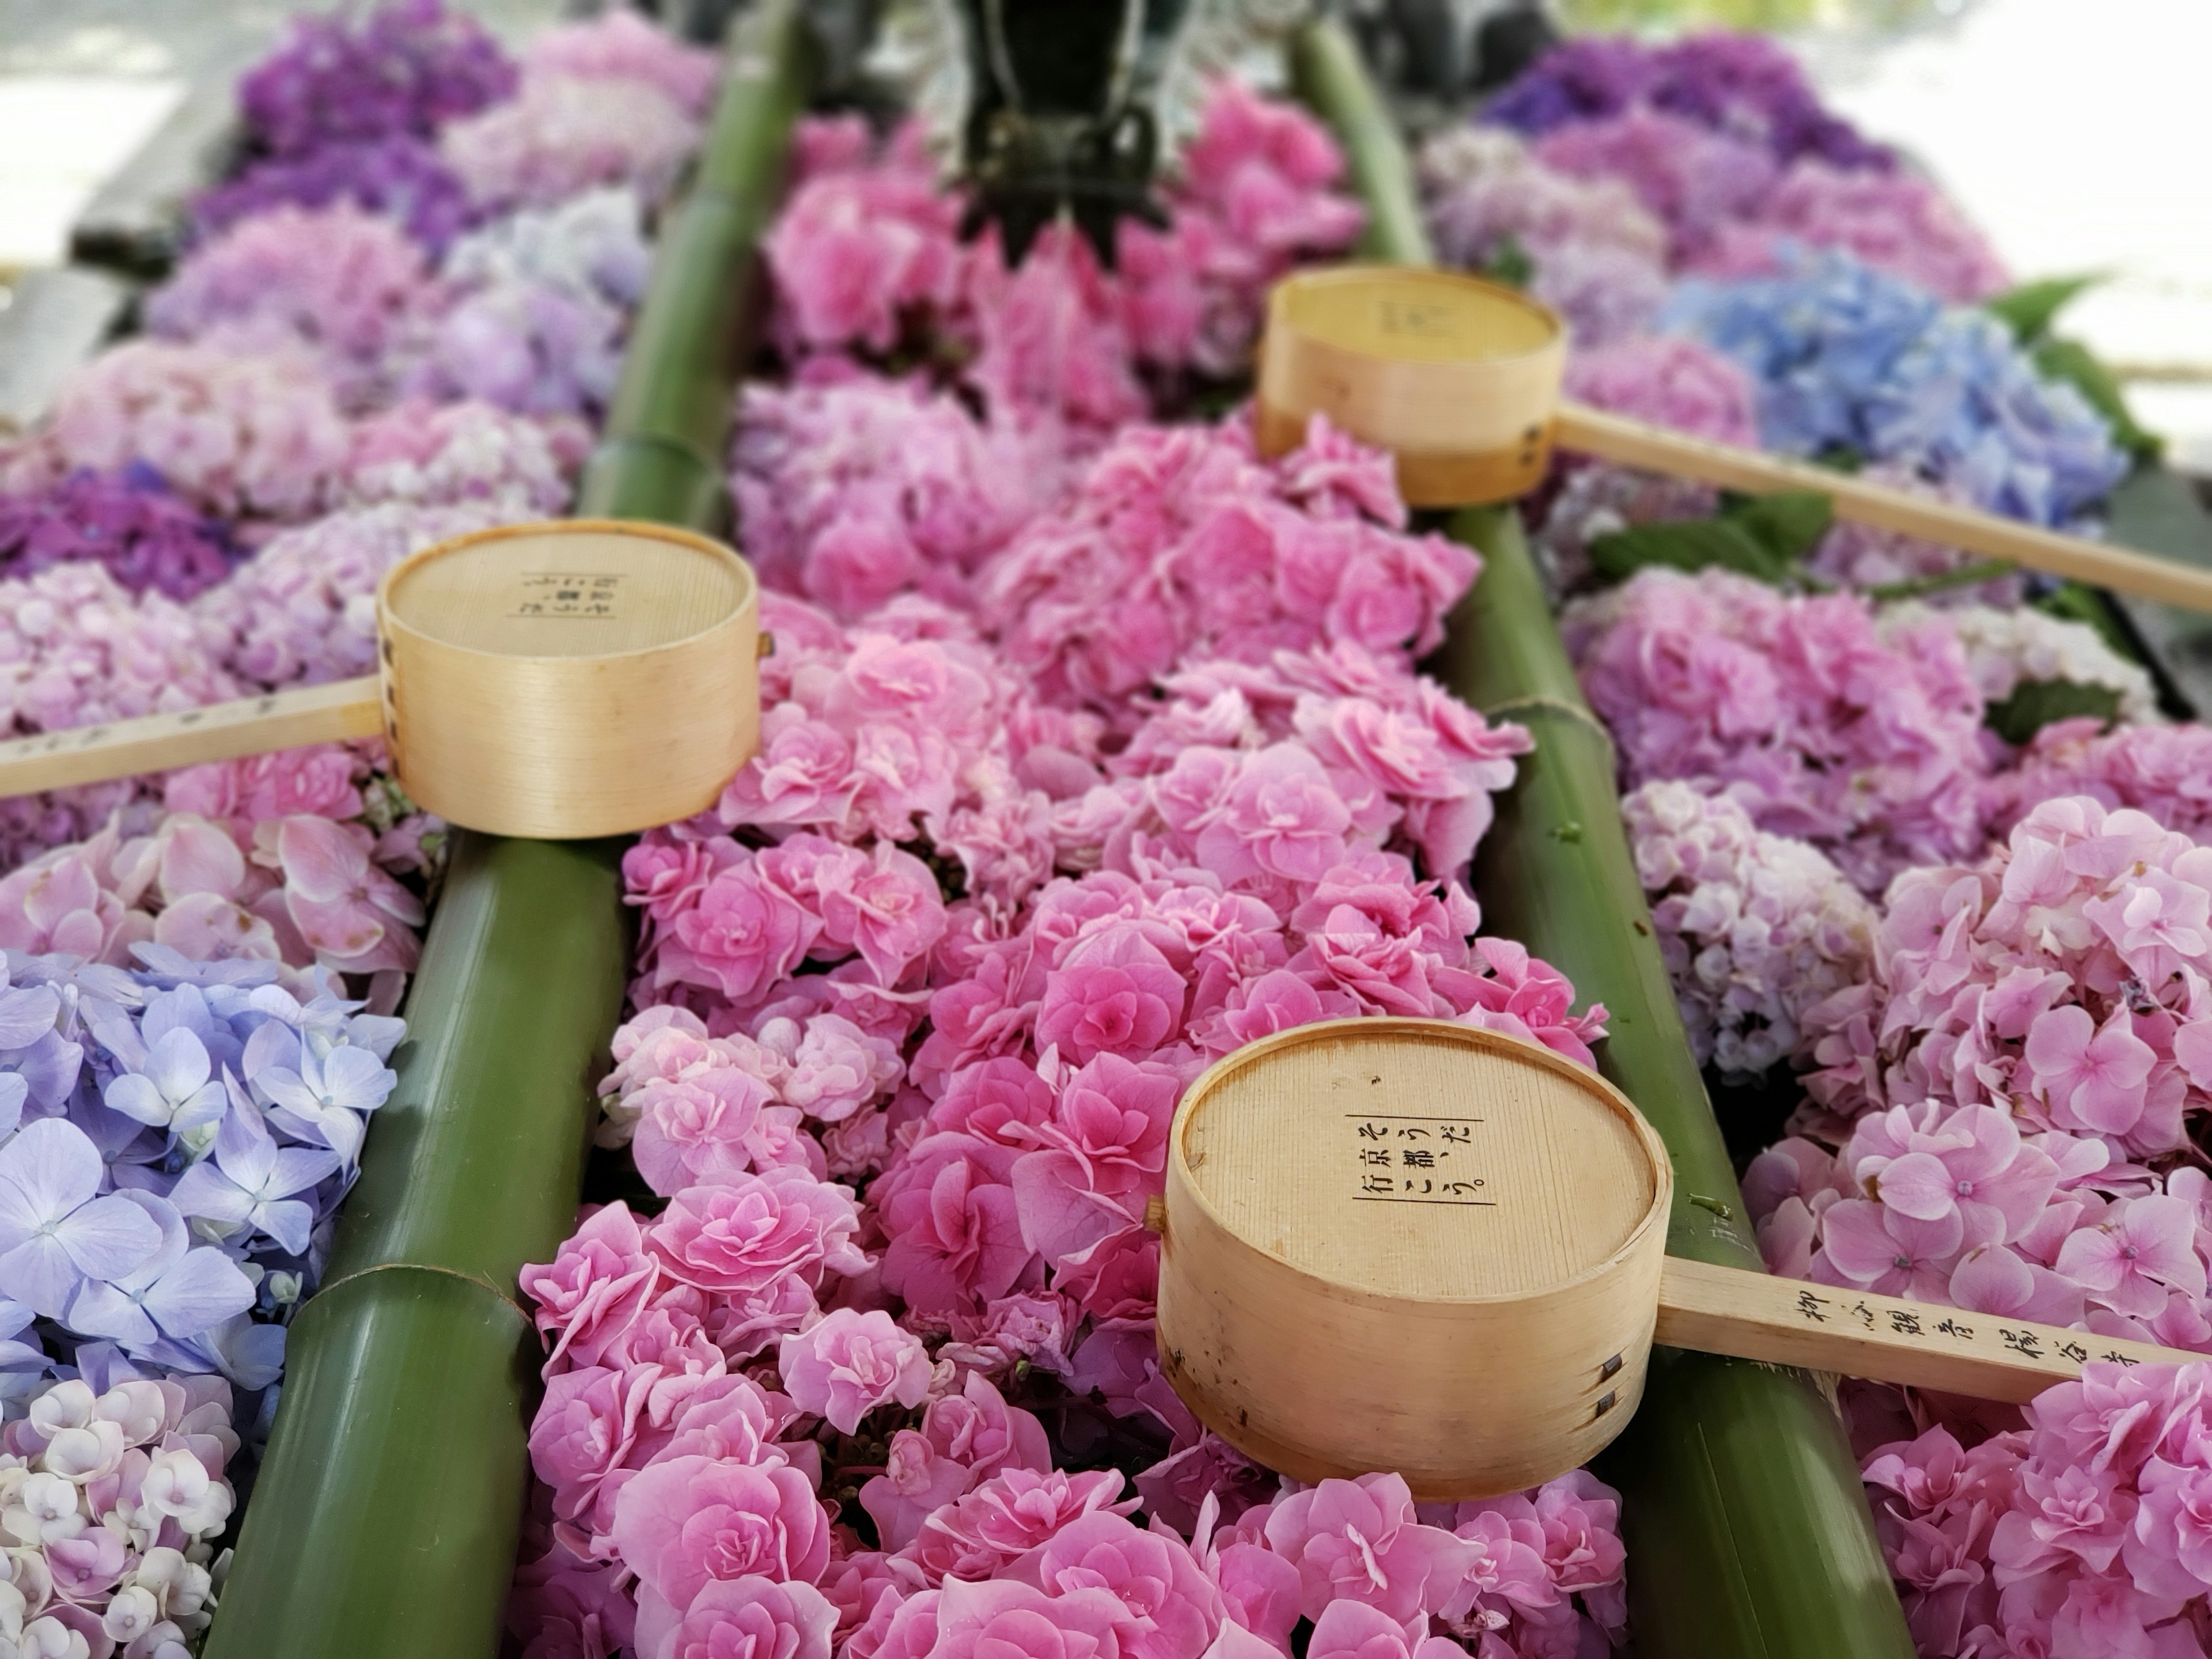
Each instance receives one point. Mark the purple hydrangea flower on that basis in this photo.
(400, 178)
(128, 521)
(1743, 85)
(179, 1293)
(406, 68)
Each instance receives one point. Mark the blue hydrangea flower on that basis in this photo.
(1848, 358)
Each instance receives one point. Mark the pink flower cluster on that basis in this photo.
(956, 940)
(1901, 222)
(564, 133)
(2064, 980)
(701, 1483)
(1867, 742)
(251, 860)
(2086, 1533)
(1669, 380)
(853, 491)
(2026, 1057)
(240, 437)
(620, 45)
(2163, 770)
(117, 1501)
(1180, 542)
(342, 287)
(864, 256)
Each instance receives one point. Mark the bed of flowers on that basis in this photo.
(1927, 861)
(397, 322)
(1095, 750)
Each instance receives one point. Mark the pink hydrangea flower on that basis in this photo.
(763, 1228)
(350, 912)
(688, 1522)
(845, 1364)
(749, 1618)
(1353, 1630)
(1360, 1540)
(998, 1521)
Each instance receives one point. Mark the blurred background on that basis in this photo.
(2074, 133)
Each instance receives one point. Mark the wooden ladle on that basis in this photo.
(560, 680)
(1460, 380)
(1392, 1243)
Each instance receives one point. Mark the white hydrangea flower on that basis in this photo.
(2005, 648)
(1755, 928)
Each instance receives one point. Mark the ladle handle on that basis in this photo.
(1793, 1321)
(1656, 449)
(191, 737)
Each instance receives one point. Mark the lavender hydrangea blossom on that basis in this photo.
(191, 1128)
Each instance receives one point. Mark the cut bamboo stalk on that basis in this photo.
(1744, 1512)
(1743, 1507)
(1656, 449)
(342, 709)
(389, 1507)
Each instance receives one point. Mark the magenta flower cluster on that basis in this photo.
(1179, 542)
(1110, 758)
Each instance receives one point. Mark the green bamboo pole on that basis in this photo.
(1327, 74)
(1748, 1530)
(385, 1519)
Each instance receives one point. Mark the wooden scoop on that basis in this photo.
(1408, 1244)
(560, 680)
(1460, 380)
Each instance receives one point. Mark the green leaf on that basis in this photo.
(2071, 363)
(1687, 544)
(1789, 524)
(2035, 704)
(2073, 601)
(1509, 262)
(2028, 310)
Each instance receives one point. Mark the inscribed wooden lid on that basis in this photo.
(1420, 1159)
(573, 590)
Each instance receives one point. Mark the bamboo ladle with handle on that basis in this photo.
(560, 680)
(1408, 1244)
(1460, 380)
